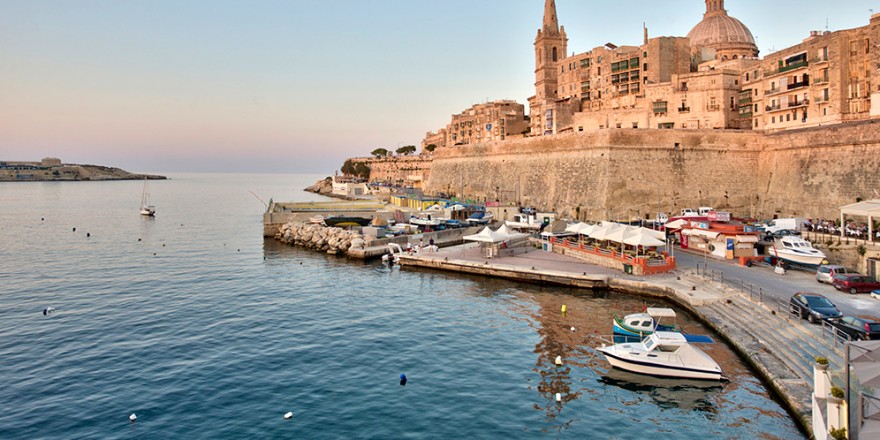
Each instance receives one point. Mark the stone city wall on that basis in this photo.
(393, 169)
(623, 174)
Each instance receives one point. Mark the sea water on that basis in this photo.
(203, 329)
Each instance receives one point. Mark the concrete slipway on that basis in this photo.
(780, 348)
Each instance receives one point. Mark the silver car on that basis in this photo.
(825, 274)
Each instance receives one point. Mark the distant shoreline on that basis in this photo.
(55, 171)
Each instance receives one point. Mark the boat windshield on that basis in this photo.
(649, 344)
(819, 301)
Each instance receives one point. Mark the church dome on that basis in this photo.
(720, 29)
(721, 32)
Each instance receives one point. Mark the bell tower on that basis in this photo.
(551, 46)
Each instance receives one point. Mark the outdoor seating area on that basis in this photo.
(634, 249)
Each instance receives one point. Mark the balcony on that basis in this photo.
(797, 104)
(789, 68)
(798, 85)
(745, 115)
(773, 91)
(743, 101)
(684, 109)
(773, 108)
(819, 60)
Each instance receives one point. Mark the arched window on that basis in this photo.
(724, 58)
(554, 54)
(735, 56)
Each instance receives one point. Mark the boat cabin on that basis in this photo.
(645, 323)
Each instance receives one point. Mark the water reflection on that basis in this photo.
(667, 393)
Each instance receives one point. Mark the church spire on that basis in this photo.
(551, 24)
(715, 7)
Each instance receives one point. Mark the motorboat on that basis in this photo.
(796, 250)
(664, 354)
(480, 218)
(393, 255)
(427, 219)
(639, 325)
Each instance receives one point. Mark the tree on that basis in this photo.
(348, 167)
(379, 152)
(431, 148)
(362, 170)
(406, 150)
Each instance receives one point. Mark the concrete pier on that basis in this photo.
(780, 349)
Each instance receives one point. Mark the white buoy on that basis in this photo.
(288, 415)
(132, 417)
(559, 397)
(558, 360)
(572, 329)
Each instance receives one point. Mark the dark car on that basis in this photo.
(854, 283)
(858, 328)
(813, 307)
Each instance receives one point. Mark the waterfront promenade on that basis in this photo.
(779, 347)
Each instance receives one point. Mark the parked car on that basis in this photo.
(813, 307)
(825, 273)
(858, 329)
(875, 294)
(854, 283)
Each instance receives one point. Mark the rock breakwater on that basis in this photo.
(320, 238)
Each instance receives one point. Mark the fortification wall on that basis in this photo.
(625, 173)
(396, 168)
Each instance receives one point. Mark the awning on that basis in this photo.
(701, 233)
(746, 238)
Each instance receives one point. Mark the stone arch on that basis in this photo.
(735, 56)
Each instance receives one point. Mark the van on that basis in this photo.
(705, 210)
(793, 224)
(688, 212)
(825, 273)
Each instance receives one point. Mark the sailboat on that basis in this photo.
(146, 208)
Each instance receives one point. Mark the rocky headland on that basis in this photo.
(51, 169)
(323, 187)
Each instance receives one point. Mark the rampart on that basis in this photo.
(628, 173)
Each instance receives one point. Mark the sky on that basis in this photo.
(298, 86)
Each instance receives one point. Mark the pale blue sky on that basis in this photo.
(296, 86)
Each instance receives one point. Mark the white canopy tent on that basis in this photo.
(868, 208)
(504, 230)
(643, 239)
(487, 235)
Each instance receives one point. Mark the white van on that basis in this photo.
(688, 212)
(704, 210)
(794, 224)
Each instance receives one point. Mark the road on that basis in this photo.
(780, 287)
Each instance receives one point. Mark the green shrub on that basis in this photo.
(837, 392)
(861, 250)
(821, 360)
(837, 433)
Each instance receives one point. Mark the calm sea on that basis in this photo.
(202, 329)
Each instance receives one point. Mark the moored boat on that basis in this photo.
(664, 354)
(643, 324)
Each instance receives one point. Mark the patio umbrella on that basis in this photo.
(573, 228)
(642, 239)
(677, 224)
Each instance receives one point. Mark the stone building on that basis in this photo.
(490, 121)
(829, 78)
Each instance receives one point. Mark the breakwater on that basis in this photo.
(323, 239)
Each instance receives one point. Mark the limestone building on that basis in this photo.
(490, 121)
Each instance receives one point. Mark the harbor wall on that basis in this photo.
(625, 174)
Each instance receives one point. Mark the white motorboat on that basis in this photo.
(665, 354)
(794, 249)
(146, 208)
(427, 219)
(393, 255)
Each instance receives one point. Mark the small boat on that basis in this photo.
(393, 255)
(427, 219)
(341, 221)
(146, 208)
(639, 325)
(664, 354)
(796, 250)
(480, 218)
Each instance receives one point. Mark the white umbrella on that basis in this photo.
(585, 229)
(677, 224)
(642, 239)
(573, 228)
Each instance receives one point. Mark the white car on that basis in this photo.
(825, 274)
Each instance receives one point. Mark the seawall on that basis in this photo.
(627, 173)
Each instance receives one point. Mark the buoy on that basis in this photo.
(132, 417)
(48, 310)
(558, 360)
(154, 254)
(559, 397)
(163, 244)
(42, 219)
(572, 329)
(139, 239)
(402, 379)
(288, 415)
(88, 234)
(74, 229)
(564, 308)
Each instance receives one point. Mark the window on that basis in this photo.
(619, 125)
(747, 76)
(635, 125)
(773, 120)
(660, 107)
(554, 54)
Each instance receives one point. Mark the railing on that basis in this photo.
(793, 66)
(773, 108)
(648, 264)
(819, 60)
(796, 85)
(799, 103)
(684, 109)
